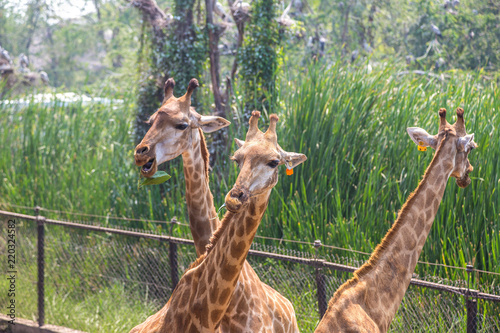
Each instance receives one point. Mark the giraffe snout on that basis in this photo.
(239, 193)
(141, 150)
(143, 154)
(145, 157)
(236, 199)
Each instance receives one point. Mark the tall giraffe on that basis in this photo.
(168, 138)
(177, 129)
(203, 294)
(369, 301)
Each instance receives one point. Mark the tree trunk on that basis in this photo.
(100, 32)
(176, 50)
(214, 31)
(345, 30)
(34, 14)
(240, 25)
(213, 51)
(150, 90)
(154, 15)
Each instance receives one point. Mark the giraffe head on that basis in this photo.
(454, 141)
(258, 158)
(171, 129)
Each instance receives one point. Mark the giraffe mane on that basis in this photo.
(204, 153)
(372, 262)
(206, 158)
(213, 240)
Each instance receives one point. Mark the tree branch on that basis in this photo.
(154, 15)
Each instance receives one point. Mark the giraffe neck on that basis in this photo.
(203, 220)
(389, 270)
(225, 257)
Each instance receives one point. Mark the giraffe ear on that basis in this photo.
(239, 142)
(466, 143)
(291, 159)
(211, 124)
(421, 137)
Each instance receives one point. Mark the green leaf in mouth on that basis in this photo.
(158, 178)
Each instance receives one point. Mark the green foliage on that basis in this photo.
(185, 47)
(10, 28)
(77, 157)
(181, 55)
(470, 37)
(158, 178)
(361, 165)
(75, 55)
(71, 51)
(149, 97)
(259, 56)
(68, 44)
(381, 29)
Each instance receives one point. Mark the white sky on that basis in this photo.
(66, 9)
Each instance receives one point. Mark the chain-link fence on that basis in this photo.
(100, 279)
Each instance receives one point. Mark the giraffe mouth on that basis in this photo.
(464, 181)
(149, 169)
(234, 206)
(236, 199)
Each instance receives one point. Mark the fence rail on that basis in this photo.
(319, 266)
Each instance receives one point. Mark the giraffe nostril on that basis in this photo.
(239, 194)
(142, 150)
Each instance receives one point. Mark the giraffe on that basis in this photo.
(170, 137)
(177, 129)
(203, 294)
(369, 301)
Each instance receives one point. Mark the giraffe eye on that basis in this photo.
(273, 164)
(181, 127)
(235, 160)
(151, 119)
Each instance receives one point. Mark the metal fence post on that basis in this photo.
(41, 266)
(471, 304)
(320, 282)
(471, 315)
(174, 269)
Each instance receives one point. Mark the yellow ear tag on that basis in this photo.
(289, 170)
(421, 146)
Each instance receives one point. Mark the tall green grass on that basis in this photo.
(80, 159)
(361, 164)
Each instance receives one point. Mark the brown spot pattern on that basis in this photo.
(238, 248)
(224, 296)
